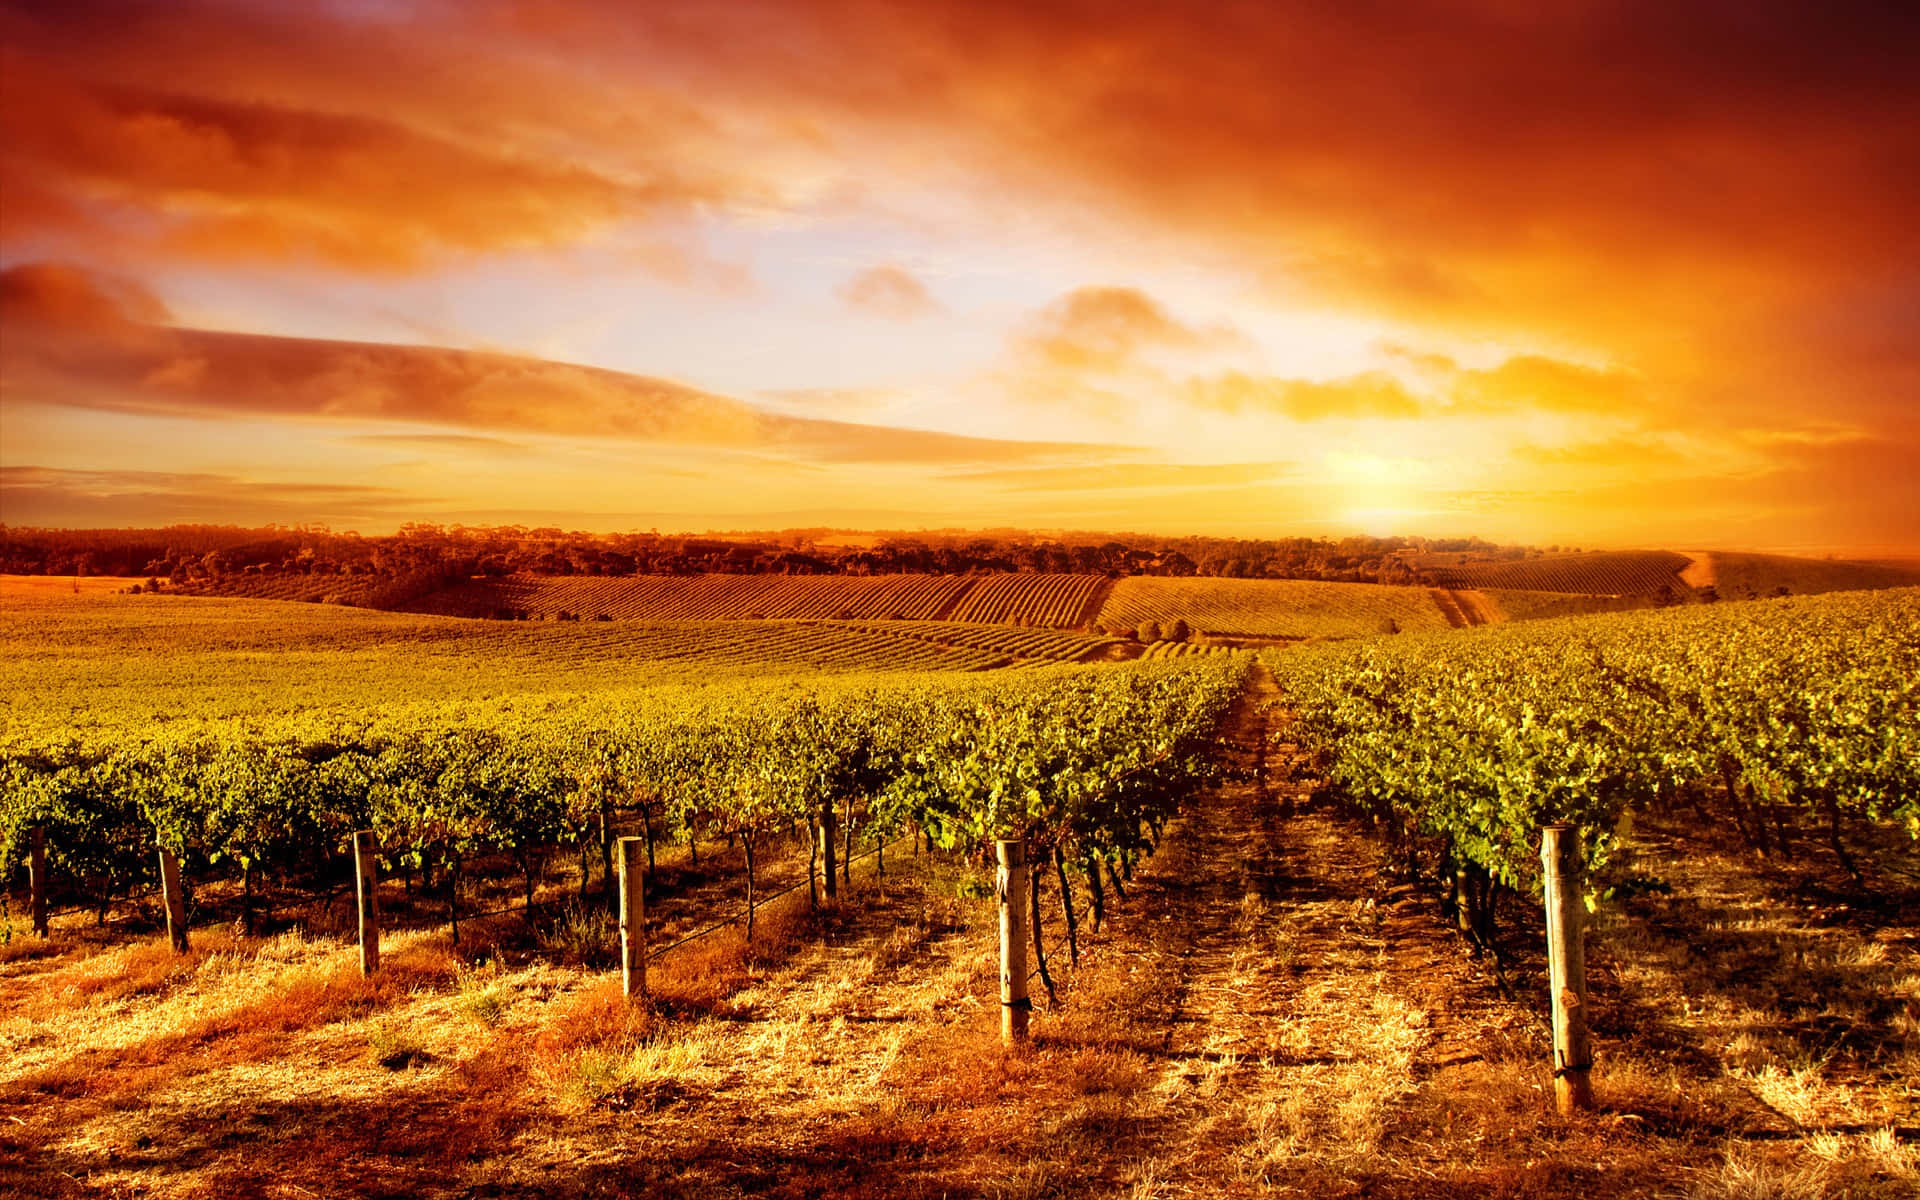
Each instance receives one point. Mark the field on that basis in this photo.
(1179, 650)
(1270, 608)
(1262, 995)
(1471, 594)
(704, 597)
(1747, 576)
(1053, 601)
(1608, 573)
(101, 657)
(1023, 645)
(22, 587)
(1514, 604)
(1056, 601)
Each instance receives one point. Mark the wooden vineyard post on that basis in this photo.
(37, 878)
(1567, 968)
(174, 898)
(828, 829)
(1010, 889)
(633, 918)
(366, 862)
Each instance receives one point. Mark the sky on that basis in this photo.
(1598, 274)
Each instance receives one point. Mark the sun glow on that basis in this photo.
(762, 280)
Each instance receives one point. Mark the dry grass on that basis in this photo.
(1790, 1009)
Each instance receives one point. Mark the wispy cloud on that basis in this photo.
(1127, 477)
(34, 495)
(888, 291)
(77, 346)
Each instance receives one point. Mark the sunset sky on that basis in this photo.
(1582, 273)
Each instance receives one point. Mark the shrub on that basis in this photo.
(1149, 631)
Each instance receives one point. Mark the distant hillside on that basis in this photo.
(1049, 600)
(1514, 605)
(1274, 608)
(1467, 590)
(700, 597)
(1605, 573)
(1750, 576)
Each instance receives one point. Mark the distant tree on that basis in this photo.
(1179, 631)
(1389, 625)
(1149, 631)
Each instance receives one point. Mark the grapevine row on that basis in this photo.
(1803, 705)
(1087, 763)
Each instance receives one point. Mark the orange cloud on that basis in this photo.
(1630, 453)
(888, 291)
(1374, 394)
(110, 361)
(1099, 335)
(1126, 477)
(1635, 174)
(456, 442)
(204, 131)
(216, 180)
(91, 499)
(1532, 381)
(1106, 328)
(1712, 199)
(64, 296)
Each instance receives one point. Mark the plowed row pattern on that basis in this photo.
(1056, 601)
(1180, 650)
(1050, 645)
(704, 597)
(1622, 573)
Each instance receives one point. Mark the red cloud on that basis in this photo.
(63, 296)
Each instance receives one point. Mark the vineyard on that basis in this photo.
(1157, 650)
(703, 597)
(1085, 765)
(1276, 608)
(1511, 604)
(103, 659)
(1474, 742)
(1055, 601)
(1024, 645)
(1252, 986)
(1609, 573)
(359, 591)
(1749, 576)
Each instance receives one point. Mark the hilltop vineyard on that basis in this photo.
(1290, 608)
(1613, 573)
(1054, 601)
(703, 597)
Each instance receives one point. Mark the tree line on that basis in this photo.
(190, 553)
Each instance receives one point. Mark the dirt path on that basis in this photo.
(1305, 1019)
(1473, 603)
